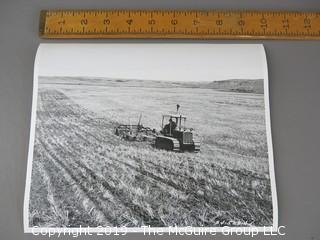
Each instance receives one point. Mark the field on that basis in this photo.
(83, 174)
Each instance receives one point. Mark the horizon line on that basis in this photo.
(155, 80)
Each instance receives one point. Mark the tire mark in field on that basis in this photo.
(140, 170)
(51, 198)
(37, 217)
(76, 176)
(103, 217)
(69, 216)
(143, 172)
(172, 184)
(244, 174)
(111, 160)
(91, 121)
(135, 208)
(70, 175)
(121, 197)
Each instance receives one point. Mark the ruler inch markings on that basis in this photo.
(191, 24)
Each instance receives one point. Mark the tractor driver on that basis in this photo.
(168, 128)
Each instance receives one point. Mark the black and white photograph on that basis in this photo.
(159, 135)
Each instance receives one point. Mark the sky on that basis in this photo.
(166, 62)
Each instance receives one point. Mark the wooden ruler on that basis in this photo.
(179, 24)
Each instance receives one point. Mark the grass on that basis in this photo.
(85, 175)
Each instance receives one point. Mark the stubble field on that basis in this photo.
(83, 174)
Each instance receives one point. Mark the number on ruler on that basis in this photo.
(106, 21)
(151, 21)
(174, 21)
(285, 23)
(84, 21)
(307, 23)
(196, 22)
(263, 22)
(241, 22)
(219, 22)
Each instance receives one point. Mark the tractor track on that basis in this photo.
(99, 137)
(145, 173)
(121, 198)
(111, 162)
(78, 176)
(193, 184)
(85, 146)
(104, 218)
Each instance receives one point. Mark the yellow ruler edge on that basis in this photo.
(179, 24)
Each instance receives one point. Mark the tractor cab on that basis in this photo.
(175, 126)
(172, 123)
(174, 134)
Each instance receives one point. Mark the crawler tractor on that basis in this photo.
(174, 136)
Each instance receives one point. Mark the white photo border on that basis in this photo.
(28, 229)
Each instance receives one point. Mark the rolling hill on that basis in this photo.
(230, 85)
(238, 85)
